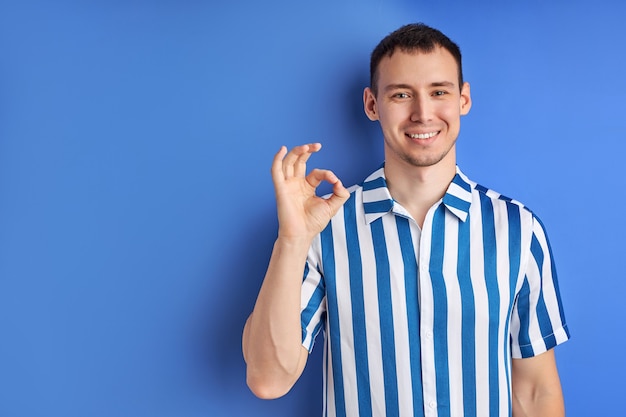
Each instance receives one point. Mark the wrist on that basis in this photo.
(293, 242)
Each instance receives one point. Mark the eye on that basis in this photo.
(401, 95)
(440, 93)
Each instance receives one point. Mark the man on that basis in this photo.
(436, 296)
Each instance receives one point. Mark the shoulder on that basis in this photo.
(487, 199)
(483, 193)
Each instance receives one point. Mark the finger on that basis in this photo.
(317, 175)
(339, 190)
(300, 163)
(339, 196)
(291, 160)
(277, 165)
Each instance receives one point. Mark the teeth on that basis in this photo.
(422, 135)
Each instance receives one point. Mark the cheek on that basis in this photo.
(393, 114)
(450, 113)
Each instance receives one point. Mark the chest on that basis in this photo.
(442, 274)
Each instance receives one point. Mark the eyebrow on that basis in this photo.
(408, 87)
(443, 84)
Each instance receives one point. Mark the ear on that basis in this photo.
(369, 104)
(466, 99)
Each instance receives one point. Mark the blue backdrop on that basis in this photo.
(136, 205)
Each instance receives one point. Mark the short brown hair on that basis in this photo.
(410, 38)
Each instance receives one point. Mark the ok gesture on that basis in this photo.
(301, 213)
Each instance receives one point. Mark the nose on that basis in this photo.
(421, 109)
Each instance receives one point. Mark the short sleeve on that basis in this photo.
(538, 322)
(313, 298)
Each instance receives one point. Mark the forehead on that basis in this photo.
(411, 67)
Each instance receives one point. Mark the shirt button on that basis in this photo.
(432, 404)
(429, 334)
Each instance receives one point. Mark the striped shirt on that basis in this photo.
(425, 322)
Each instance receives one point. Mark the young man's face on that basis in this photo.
(418, 105)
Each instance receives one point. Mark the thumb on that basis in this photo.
(339, 196)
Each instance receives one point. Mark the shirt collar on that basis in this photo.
(377, 200)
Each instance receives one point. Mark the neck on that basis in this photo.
(418, 188)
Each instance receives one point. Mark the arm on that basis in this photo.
(536, 387)
(272, 336)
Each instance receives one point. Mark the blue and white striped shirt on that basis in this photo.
(425, 322)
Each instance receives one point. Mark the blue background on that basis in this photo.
(136, 205)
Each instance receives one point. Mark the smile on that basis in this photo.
(422, 135)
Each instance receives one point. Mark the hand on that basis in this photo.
(301, 213)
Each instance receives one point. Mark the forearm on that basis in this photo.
(537, 387)
(272, 336)
(541, 405)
